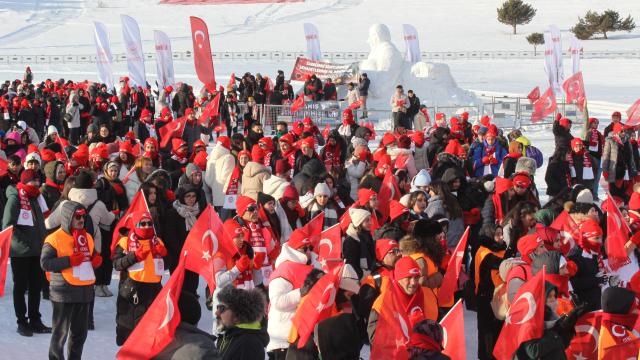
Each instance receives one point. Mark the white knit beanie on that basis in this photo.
(358, 216)
(322, 189)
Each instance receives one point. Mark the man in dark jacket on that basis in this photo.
(23, 210)
(240, 313)
(363, 93)
(562, 135)
(414, 106)
(181, 100)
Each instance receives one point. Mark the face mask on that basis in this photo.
(144, 233)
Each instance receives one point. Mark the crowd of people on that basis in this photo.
(77, 156)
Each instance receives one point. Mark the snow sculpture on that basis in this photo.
(386, 67)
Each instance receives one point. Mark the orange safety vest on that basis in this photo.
(495, 274)
(429, 270)
(149, 270)
(430, 305)
(63, 244)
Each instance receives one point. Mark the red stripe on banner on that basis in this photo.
(221, 2)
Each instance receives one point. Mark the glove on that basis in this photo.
(486, 160)
(572, 268)
(258, 260)
(614, 280)
(76, 259)
(243, 263)
(141, 254)
(160, 250)
(96, 261)
(494, 161)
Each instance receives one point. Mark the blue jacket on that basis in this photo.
(481, 152)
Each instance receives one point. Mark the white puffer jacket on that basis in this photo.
(100, 216)
(275, 186)
(355, 172)
(284, 302)
(220, 165)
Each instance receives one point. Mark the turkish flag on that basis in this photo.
(173, 129)
(4, 167)
(633, 114)
(232, 79)
(452, 328)
(356, 104)
(317, 305)
(345, 220)
(5, 246)
(325, 132)
(612, 341)
(138, 204)
(313, 229)
(202, 53)
(212, 109)
(574, 88)
(617, 235)
(207, 238)
(568, 229)
(157, 327)
(544, 106)
(525, 318)
(332, 241)
(534, 95)
(298, 104)
(388, 191)
(137, 148)
(585, 344)
(450, 280)
(394, 326)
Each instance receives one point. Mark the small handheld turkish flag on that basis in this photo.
(298, 104)
(330, 245)
(157, 327)
(525, 318)
(172, 130)
(313, 229)
(212, 109)
(544, 106)
(450, 280)
(617, 235)
(633, 114)
(138, 204)
(585, 344)
(205, 240)
(574, 88)
(452, 326)
(534, 95)
(5, 246)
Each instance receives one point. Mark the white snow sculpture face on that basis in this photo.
(378, 34)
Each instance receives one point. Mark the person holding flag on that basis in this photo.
(138, 257)
(69, 255)
(587, 283)
(387, 254)
(619, 321)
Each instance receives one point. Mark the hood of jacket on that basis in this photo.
(67, 209)
(314, 168)
(273, 183)
(50, 170)
(361, 132)
(85, 197)
(218, 152)
(289, 254)
(254, 169)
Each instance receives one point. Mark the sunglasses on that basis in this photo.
(146, 224)
(221, 308)
(252, 208)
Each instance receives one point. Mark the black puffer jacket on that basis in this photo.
(311, 174)
(243, 344)
(584, 282)
(562, 137)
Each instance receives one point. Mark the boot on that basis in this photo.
(106, 290)
(39, 328)
(24, 329)
(100, 291)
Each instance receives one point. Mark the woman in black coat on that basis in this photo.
(179, 220)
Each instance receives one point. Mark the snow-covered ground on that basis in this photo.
(64, 27)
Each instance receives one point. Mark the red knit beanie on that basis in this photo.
(406, 267)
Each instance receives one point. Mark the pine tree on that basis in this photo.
(515, 12)
(535, 39)
(602, 23)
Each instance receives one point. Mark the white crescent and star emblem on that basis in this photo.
(82, 240)
(403, 325)
(332, 297)
(214, 244)
(195, 37)
(531, 305)
(588, 329)
(170, 311)
(327, 242)
(618, 330)
(445, 338)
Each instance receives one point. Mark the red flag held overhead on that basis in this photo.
(534, 95)
(574, 88)
(202, 57)
(298, 104)
(544, 106)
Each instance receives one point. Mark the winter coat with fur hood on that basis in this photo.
(220, 165)
(253, 177)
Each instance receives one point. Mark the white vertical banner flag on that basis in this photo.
(549, 60)
(412, 43)
(133, 46)
(164, 59)
(313, 41)
(575, 49)
(104, 58)
(556, 38)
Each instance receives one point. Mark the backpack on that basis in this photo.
(535, 153)
(500, 302)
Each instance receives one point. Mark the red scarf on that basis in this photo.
(234, 181)
(594, 138)
(54, 185)
(133, 244)
(586, 161)
(626, 320)
(256, 237)
(181, 159)
(80, 243)
(26, 193)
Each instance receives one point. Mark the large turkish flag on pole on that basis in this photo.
(574, 88)
(453, 327)
(544, 106)
(202, 53)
